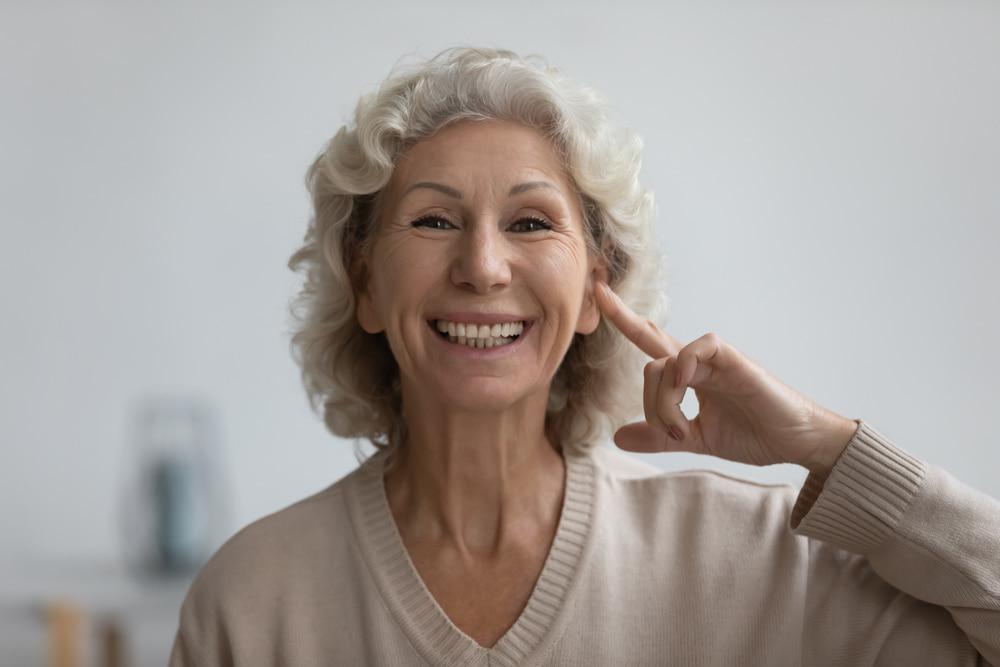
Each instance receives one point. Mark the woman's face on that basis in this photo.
(481, 234)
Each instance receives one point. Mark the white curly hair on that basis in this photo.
(351, 376)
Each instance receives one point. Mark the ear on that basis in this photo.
(365, 310)
(590, 313)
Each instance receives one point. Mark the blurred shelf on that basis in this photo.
(63, 612)
(98, 586)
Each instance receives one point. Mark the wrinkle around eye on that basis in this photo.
(390, 244)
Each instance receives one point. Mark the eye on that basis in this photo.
(532, 224)
(432, 222)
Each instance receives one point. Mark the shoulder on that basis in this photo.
(275, 553)
(279, 567)
(628, 469)
(620, 465)
(638, 488)
(287, 533)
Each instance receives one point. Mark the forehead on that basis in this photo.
(493, 151)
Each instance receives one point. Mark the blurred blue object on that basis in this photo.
(174, 505)
(177, 536)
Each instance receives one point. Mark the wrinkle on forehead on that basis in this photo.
(435, 155)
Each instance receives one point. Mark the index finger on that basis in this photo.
(644, 333)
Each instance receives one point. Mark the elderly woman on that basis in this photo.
(479, 298)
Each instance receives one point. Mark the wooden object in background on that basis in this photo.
(64, 621)
(112, 641)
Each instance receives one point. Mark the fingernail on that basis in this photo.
(676, 433)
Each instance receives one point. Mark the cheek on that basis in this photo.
(402, 274)
(558, 277)
(561, 272)
(563, 253)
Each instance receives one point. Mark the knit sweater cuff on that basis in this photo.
(864, 497)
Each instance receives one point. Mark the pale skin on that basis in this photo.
(745, 414)
(479, 490)
(478, 494)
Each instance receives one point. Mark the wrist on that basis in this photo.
(833, 438)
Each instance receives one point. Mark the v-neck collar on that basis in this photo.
(435, 637)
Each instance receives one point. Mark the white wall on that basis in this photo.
(826, 179)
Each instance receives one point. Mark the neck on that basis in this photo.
(477, 481)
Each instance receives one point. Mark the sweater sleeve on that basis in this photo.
(934, 544)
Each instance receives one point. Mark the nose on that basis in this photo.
(481, 263)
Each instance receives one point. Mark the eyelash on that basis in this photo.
(545, 225)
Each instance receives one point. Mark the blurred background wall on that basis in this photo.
(826, 180)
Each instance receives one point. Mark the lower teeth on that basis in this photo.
(482, 342)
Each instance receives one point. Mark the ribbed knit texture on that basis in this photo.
(889, 561)
(866, 493)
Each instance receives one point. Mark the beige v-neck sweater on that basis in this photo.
(892, 562)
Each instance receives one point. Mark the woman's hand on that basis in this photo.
(746, 414)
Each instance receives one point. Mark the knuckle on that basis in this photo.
(713, 338)
(655, 366)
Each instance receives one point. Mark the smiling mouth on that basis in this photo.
(480, 336)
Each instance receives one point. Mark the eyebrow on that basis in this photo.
(452, 192)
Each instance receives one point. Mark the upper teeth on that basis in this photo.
(480, 330)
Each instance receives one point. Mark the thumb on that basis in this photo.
(641, 437)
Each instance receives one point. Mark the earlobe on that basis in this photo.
(589, 317)
(590, 313)
(366, 314)
(365, 309)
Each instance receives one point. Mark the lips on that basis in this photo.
(472, 317)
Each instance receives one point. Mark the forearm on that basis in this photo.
(921, 530)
